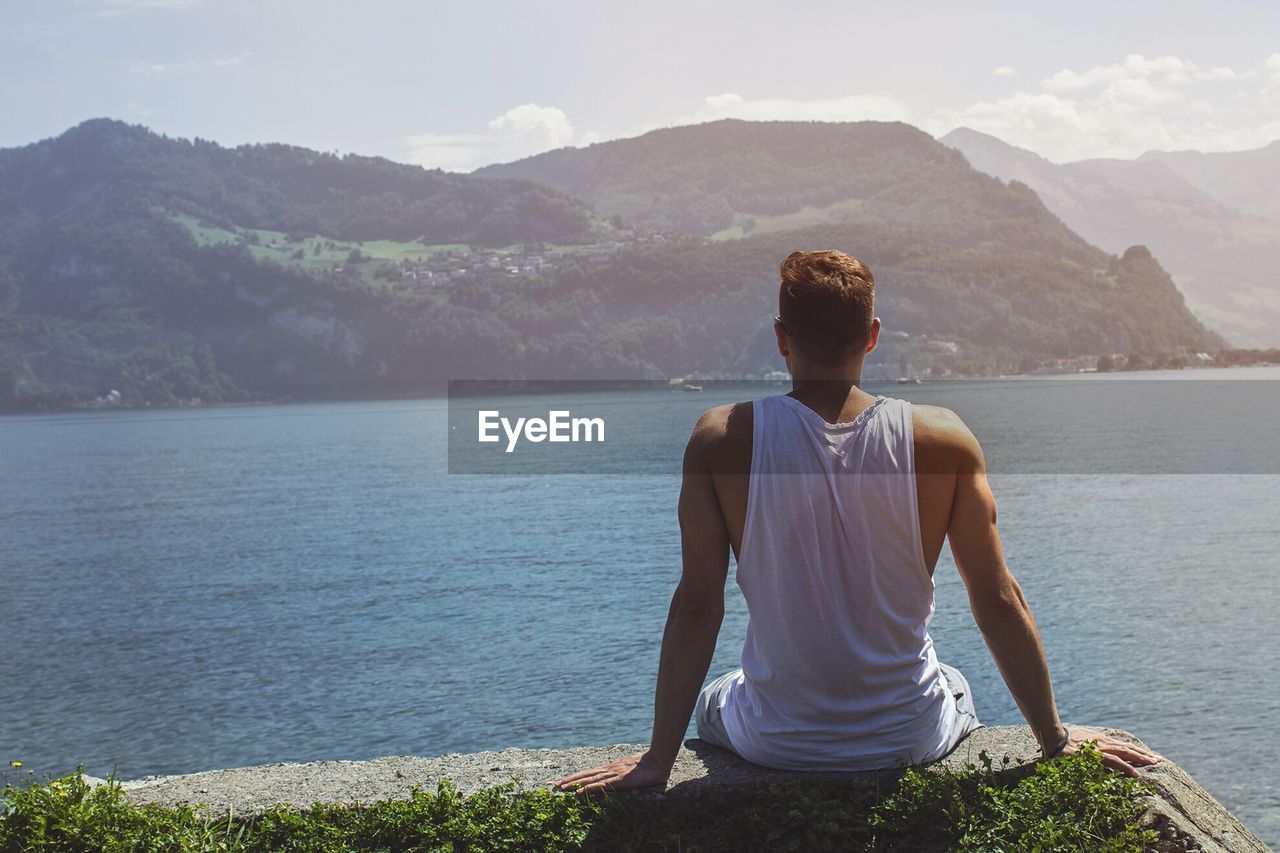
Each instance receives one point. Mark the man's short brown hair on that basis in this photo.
(827, 303)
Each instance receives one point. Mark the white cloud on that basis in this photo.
(544, 127)
(519, 132)
(1161, 69)
(1125, 108)
(1119, 109)
(849, 108)
(1067, 80)
(191, 66)
(1218, 72)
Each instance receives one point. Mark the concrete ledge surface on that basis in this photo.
(1186, 815)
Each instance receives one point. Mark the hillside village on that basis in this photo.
(530, 259)
(420, 261)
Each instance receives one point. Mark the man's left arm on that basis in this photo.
(693, 623)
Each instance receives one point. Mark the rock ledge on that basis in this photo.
(1186, 816)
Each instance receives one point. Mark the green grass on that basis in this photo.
(205, 234)
(852, 210)
(1067, 804)
(322, 254)
(318, 254)
(377, 250)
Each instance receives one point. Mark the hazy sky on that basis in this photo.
(461, 84)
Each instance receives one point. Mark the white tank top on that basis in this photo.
(838, 669)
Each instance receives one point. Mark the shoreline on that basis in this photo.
(577, 386)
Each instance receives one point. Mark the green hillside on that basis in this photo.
(946, 301)
(704, 179)
(173, 272)
(959, 255)
(280, 187)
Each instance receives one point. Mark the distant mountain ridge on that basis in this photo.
(703, 179)
(1248, 181)
(171, 271)
(1222, 257)
(281, 187)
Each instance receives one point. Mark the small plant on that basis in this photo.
(1070, 803)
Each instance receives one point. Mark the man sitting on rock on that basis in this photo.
(836, 504)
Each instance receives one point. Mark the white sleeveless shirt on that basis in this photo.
(838, 669)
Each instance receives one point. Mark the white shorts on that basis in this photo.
(706, 713)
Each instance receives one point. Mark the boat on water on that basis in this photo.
(909, 380)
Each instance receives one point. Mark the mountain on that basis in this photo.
(1221, 257)
(729, 178)
(279, 187)
(1112, 180)
(141, 270)
(1242, 180)
(975, 303)
(170, 270)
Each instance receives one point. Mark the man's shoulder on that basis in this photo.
(722, 437)
(937, 422)
(942, 436)
(723, 425)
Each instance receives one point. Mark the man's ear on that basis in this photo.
(784, 346)
(874, 338)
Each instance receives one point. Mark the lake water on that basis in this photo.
(188, 590)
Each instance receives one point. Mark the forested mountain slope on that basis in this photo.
(171, 271)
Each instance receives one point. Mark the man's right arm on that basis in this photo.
(1002, 612)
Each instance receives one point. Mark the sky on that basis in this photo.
(457, 85)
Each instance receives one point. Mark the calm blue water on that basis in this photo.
(187, 590)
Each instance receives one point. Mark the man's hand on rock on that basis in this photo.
(1117, 754)
(621, 774)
